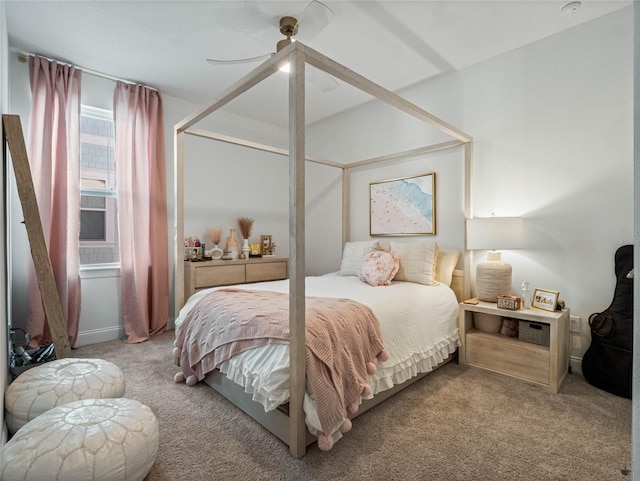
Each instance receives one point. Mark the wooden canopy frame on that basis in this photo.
(298, 55)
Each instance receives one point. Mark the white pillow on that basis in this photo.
(417, 261)
(353, 254)
(379, 268)
(445, 265)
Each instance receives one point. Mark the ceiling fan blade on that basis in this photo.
(321, 79)
(313, 19)
(215, 61)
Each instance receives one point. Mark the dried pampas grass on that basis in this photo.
(215, 234)
(245, 226)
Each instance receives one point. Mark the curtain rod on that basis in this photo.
(22, 57)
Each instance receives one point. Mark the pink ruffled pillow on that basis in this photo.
(378, 268)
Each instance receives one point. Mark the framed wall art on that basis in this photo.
(545, 299)
(404, 206)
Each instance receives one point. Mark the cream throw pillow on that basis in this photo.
(353, 254)
(417, 261)
(445, 265)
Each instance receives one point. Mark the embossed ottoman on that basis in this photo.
(59, 382)
(86, 440)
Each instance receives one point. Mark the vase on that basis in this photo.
(245, 248)
(216, 252)
(232, 244)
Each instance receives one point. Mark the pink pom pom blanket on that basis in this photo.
(341, 335)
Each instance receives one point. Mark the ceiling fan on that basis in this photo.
(313, 19)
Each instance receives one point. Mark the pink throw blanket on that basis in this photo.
(342, 336)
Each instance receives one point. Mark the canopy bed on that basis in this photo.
(288, 423)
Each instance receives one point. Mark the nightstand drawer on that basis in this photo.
(507, 356)
(212, 276)
(266, 272)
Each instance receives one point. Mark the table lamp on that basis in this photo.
(493, 277)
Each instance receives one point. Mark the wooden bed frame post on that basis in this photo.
(468, 212)
(297, 427)
(178, 188)
(346, 206)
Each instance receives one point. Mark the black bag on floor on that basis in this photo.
(607, 364)
(23, 358)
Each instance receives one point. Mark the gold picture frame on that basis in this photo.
(266, 245)
(545, 299)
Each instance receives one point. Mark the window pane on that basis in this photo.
(95, 184)
(98, 221)
(92, 202)
(92, 225)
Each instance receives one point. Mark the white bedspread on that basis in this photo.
(419, 330)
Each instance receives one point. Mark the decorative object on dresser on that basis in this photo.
(545, 299)
(509, 302)
(403, 206)
(254, 250)
(266, 245)
(215, 234)
(493, 277)
(231, 250)
(245, 224)
(526, 295)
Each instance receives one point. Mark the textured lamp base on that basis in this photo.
(493, 279)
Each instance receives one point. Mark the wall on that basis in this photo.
(552, 127)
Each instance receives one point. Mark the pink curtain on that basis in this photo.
(54, 157)
(142, 210)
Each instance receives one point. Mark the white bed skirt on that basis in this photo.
(419, 331)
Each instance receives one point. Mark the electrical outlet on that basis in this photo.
(574, 323)
(576, 342)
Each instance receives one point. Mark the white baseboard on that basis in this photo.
(575, 363)
(99, 335)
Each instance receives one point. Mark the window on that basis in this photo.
(98, 199)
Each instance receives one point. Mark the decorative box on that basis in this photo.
(534, 332)
(509, 302)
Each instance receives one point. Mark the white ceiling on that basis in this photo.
(164, 44)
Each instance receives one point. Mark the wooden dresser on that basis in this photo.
(201, 275)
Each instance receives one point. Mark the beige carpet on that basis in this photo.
(456, 424)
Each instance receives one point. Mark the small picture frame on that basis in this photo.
(266, 245)
(545, 299)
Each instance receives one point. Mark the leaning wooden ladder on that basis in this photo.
(14, 139)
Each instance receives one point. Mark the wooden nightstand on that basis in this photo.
(201, 275)
(537, 364)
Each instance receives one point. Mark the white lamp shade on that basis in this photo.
(487, 233)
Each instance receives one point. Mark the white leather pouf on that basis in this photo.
(58, 382)
(87, 440)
